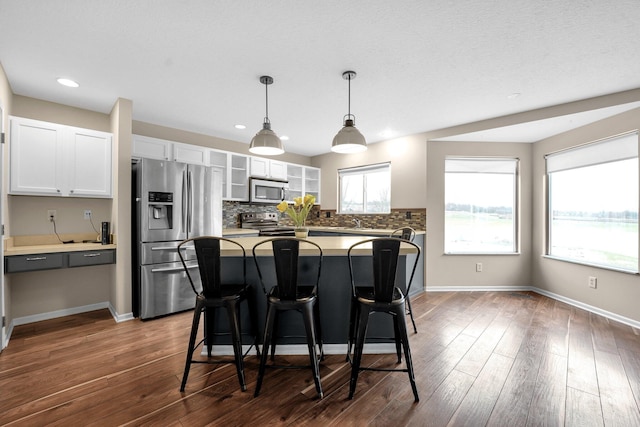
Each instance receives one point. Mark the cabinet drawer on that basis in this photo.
(80, 259)
(14, 264)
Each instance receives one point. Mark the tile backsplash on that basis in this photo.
(416, 218)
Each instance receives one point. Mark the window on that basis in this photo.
(593, 203)
(365, 189)
(480, 205)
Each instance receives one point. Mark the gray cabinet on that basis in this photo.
(52, 261)
(18, 263)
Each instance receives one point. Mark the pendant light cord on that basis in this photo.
(349, 97)
(266, 106)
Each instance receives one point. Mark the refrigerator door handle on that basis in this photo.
(184, 201)
(190, 195)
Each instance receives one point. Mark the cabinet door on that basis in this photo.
(89, 163)
(312, 182)
(151, 148)
(192, 154)
(239, 178)
(35, 157)
(277, 170)
(219, 159)
(295, 178)
(259, 167)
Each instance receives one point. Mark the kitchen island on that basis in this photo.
(334, 294)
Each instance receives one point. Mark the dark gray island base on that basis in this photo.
(334, 299)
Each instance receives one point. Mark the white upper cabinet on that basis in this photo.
(48, 159)
(192, 154)
(303, 180)
(235, 174)
(89, 164)
(267, 168)
(151, 148)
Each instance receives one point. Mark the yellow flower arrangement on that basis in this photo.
(300, 209)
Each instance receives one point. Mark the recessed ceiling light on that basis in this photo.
(240, 127)
(284, 138)
(67, 82)
(387, 133)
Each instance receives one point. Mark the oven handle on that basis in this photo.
(172, 269)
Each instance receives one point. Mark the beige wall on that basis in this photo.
(616, 292)
(459, 270)
(408, 170)
(121, 118)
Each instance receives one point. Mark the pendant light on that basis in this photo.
(266, 142)
(349, 139)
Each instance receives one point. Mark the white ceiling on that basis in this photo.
(422, 65)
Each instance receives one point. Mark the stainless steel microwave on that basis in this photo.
(267, 190)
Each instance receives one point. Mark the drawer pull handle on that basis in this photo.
(91, 255)
(37, 258)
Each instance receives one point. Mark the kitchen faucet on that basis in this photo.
(357, 221)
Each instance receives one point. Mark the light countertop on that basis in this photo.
(44, 244)
(331, 245)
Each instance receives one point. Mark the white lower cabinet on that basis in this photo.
(47, 159)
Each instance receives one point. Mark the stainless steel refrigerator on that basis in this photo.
(172, 202)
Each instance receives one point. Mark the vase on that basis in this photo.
(301, 232)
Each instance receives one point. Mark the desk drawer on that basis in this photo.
(17, 263)
(81, 259)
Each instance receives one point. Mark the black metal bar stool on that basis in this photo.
(408, 234)
(289, 294)
(214, 295)
(379, 294)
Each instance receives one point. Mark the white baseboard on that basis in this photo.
(59, 313)
(67, 312)
(575, 303)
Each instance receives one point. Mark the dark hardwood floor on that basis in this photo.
(481, 358)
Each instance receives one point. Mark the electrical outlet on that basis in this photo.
(51, 215)
(478, 267)
(593, 282)
(87, 214)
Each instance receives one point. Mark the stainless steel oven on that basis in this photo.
(266, 223)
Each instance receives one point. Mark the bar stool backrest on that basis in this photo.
(404, 233)
(208, 255)
(385, 264)
(285, 253)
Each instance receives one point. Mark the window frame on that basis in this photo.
(596, 154)
(516, 203)
(363, 170)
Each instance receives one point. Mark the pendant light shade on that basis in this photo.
(349, 139)
(266, 142)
